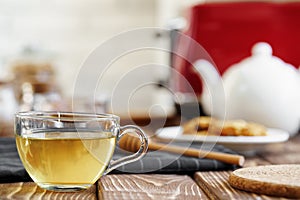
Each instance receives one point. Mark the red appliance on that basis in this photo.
(227, 31)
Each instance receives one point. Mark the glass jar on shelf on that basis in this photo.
(35, 84)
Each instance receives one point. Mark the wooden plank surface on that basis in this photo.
(216, 186)
(255, 161)
(284, 153)
(150, 186)
(30, 190)
(213, 184)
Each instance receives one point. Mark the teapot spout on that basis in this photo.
(213, 95)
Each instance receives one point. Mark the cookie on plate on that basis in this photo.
(200, 126)
(242, 128)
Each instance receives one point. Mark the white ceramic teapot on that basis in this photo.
(261, 88)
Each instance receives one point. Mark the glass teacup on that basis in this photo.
(65, 151)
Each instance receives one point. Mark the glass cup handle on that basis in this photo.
(137, 155)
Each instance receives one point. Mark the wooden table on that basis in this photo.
(202, 185)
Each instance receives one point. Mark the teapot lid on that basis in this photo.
(262, 57)
(262, 49)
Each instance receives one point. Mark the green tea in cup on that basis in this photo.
(70, 151)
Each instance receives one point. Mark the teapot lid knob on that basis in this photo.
(262, 48)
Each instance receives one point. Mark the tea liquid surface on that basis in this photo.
(66, 157)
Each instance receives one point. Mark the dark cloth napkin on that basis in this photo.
(12, 170)
(11, 167)
(164, 162)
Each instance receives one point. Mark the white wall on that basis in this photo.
(71, 29)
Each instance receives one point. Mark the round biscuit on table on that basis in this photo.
(274, 180)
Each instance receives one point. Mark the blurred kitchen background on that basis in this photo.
(64, 33)
(44, 43)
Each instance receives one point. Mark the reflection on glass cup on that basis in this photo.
(65, 151)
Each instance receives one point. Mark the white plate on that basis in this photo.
(243, 144)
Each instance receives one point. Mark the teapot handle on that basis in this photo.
(213, 95)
